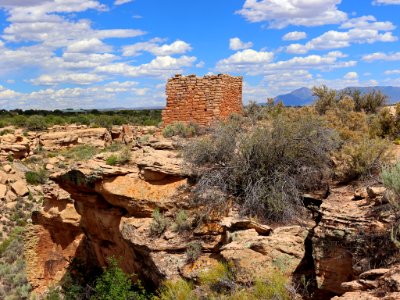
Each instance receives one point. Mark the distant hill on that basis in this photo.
(303, 96)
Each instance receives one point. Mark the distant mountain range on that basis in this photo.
(303, 96)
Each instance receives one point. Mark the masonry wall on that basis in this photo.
(202, 100)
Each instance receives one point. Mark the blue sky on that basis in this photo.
(119, 53)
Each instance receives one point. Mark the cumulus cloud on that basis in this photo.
(161, 66)
(153, 46)
(382, 56)
(252, 62)
(236, 44)
(282, 13)
(294, 36)
(247, 57)
(368, 22)
(88, 45)
(351, 76)
(362, 30)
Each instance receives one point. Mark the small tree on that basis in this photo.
(326, 98)
(113, 284)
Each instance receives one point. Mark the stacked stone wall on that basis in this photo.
(202, 100)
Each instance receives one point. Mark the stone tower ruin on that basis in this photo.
(202, 100)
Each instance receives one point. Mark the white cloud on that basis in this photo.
(363, 30)
(387, 2)
(153, 47)
(382, 56)
(73, 78)
(161, 66)
(120, 2)
(391, 72)
(236, 44)
(368, 22)
(294, 36)
(245, 59)
(127, 94)
(87, 46)
(282, 13)
(351, 76)
(254, 63)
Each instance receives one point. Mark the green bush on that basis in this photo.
(159, 223)
(112, 160)
(113, 284)
(361, 158)
(181, 129)
(182, 222)
(265, 168)
(36, 123)
(119, 159)
(391, 179)
(328, 99)
(193, 251)
(176, 290)
(36, 178)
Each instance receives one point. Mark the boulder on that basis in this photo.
(20, 188)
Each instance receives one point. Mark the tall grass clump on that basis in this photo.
(265, 168)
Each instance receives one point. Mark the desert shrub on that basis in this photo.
(10, 157)
(348, 123)
(119, 159)
(326, 99)
(182, 222)
(193, 251)
(371, 102)
(53, 293)
(384, 124)
(391, 179)
(362, 158)
(81, 152)
(253, 111)
(176, 290)
(219, 279)
(159, 223)
(13, 281)
(36, 177)
(125, 155)
(114, 147)
(276, 286)
(265, 168)
(36, 123)
(181, 129)
(112, 160)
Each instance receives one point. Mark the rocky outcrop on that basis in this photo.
(98, 137)
(16, 146)
(107, 211)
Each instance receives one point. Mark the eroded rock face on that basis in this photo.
(107, 212)
(346, 217)
(16, 146)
